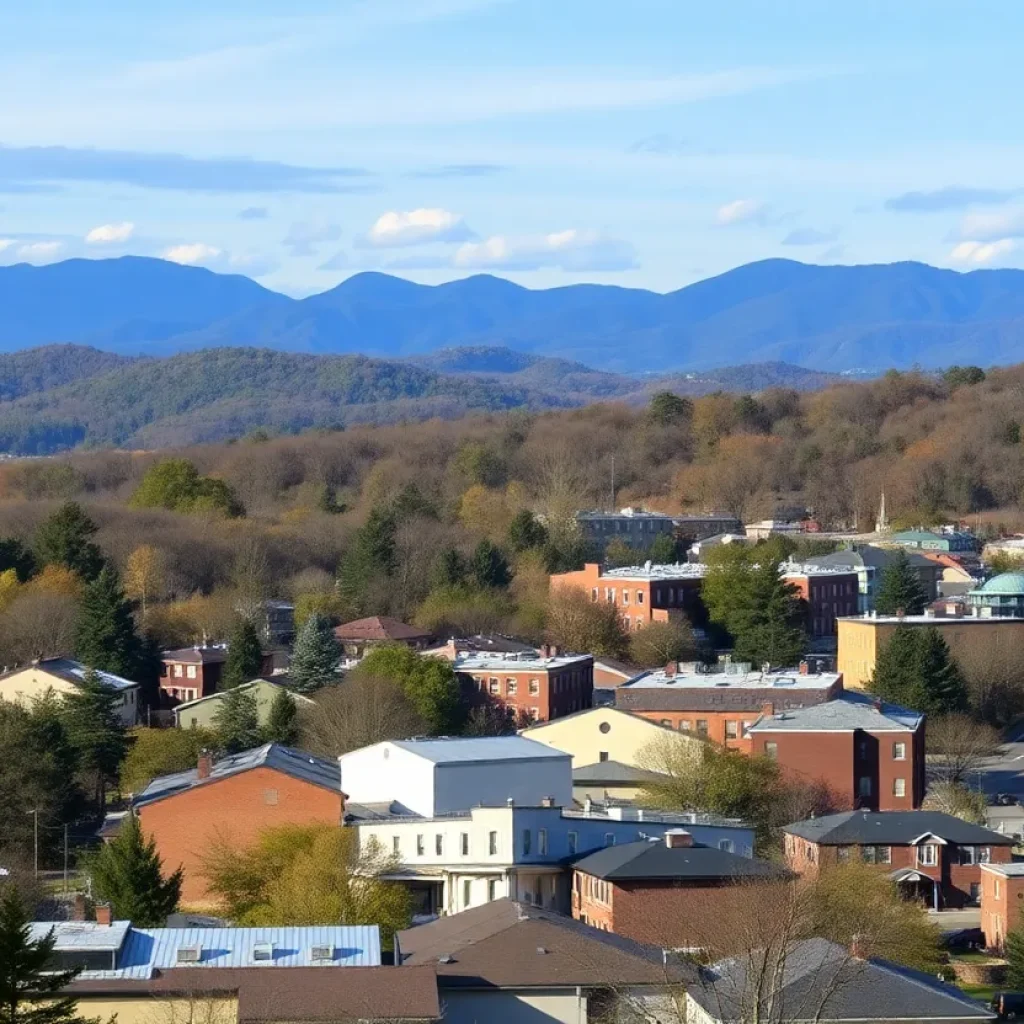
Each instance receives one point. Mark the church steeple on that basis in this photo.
(882, 522)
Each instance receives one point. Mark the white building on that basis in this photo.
(435, 776)
(62, 676)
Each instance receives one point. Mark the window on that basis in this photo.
(574, 841)
(639, 597)
(492, 889)
(975, 892)
(467, 892)
(864, 785)
(464, 844)
(726, 845)
(396, 844)
(534, 714)
(702, 727)
(542, 841)
(534, 687)
(771, 749)
(967, 855)
(875, 854)
(177, 671)
(984, 854)
(684, 725)
(995, 889)
(494, 687)
(731, 730)
(439, 844)
(492, 843)
(609, 839)
(602, 755)
(511, 687)
(420, 846)
(625, 596)
(843, 854)
(899, 787)
(527, 842)
(667, 722)
(190, 672)
(899, 751)
(270, 797)
(928, 856)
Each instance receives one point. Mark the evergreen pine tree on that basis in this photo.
(371, 557)
(900, 589)
(765, 626)
(1013, 950)
(237, 720)
(449, 569)
(92, 720)
(526, 531)
(106, 637)
(315, 657)
(916, 670)
(245, 655)
(489, 566)
(29, 987)
(895, 675)
(63, 539)
(128, 873)
(282, 725)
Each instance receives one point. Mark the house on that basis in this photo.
(828, 592)
(720, 702)
(61, 676)
(661, 891)
(362, 635)
(633, 526)
(191, 672)
(512, 962)
(861, 639)
(234, 800)
(202, 713)
(642, 593)
(1002, 896)
(612, 750)
(817, 980)
(249, 975)
(933, 856)
(869, 753)
(536, 685)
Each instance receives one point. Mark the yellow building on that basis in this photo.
(61, 676)
(608, 748)
(971, 641)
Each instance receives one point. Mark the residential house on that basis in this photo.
(828, 592)
(191, 672)
(869, 753)
(508, 962)
(861, 639)
(820, 981)
(233, 800)
(62, 676)
(633, 526)
(662, 891)
(934, 857)
(362, 635)
(642, 593)
(1002, 897)
(536, 685)
(202, 713)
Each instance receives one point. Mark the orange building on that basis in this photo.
(233, 801)
(642, 593)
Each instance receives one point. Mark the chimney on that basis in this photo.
(768, 709)
(104, 913)
(545, 650)
(547, 801)
(804, 668)
(78, 907)
(678, 839)
(205, 764)
(671, 669)
(588, 805)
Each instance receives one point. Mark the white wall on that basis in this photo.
(459, 786)
(387, 772)
(498, 1006)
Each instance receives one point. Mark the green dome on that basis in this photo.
(1006, 583)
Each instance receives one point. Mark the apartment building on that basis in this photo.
(633, 526)
(828, 593)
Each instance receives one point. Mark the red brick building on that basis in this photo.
(542, 685)
(1002, 900)
(191, 673)
(662, 892)
(870, 754)
(642, 593)
(828, 592)
(362, 635)
(932, 856)
(234, 800)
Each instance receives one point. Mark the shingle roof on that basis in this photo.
(821, 981)
(378, 627)
(849, 711)
(613, 772)
(196, 655)
(318, 771)
(505, 944)
(653, 860)
(893, 828)
(446, 750)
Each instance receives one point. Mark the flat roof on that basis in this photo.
(652, 571)
(519, 660)
(929, 620)
(83, 936)
(688, 678)
(455, 749)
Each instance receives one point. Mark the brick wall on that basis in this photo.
(717, 722)
(1002, 901)
(560, 692)
(235, 809)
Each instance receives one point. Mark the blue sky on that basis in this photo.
(647, 144)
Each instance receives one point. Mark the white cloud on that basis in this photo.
(415, 227)
(192, 254)
(6, 243)
(740, 211)
(40, 250)
(568, 250)
(992, 227)
(111, 233)
(980, 254)
(304, 236)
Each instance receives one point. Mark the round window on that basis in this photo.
(605, 727)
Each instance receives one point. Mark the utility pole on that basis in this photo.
(613, 483)
(65, 857)
(35, 841)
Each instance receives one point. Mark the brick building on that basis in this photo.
(870, 754)
(932, 856)
(1002, 899)
(661, 891)
(828, 592)
(721, 702)
(191, 673)
(542, 685)
(642, 593)
(362, 635)
(234, 800)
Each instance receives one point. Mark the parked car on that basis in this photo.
(1004, 800)
(964, 940)
(1008, 1004)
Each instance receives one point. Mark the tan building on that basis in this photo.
(861, 640)
(201, 713)
(62, 676)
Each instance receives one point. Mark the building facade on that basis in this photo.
(63, 676)
(633, 526)
(948, 541)
(1002, 897)
(828, 592)
(202, 713)
(191, 673)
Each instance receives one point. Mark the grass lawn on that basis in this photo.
(983, 993)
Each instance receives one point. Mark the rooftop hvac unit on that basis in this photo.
(263, 952)
(321, 953)
(189, 954)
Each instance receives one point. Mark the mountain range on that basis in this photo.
(831, 318)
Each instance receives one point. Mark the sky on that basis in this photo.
(646, 144)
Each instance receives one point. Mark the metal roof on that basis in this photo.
(848, 712)
(453, 750)
(72, 671)
(893, 828)
(82, 936)
(1013, 870)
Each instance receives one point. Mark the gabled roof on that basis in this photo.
(893, 828)
(622, 668)
(849, 711)
(73, 672)
(317, 771)
(504, 944)
(600, 711)
(379, 627)
(653, 860)
(251, 685)
(612, 773)
(821, 981)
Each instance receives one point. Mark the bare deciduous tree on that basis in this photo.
(959, 746)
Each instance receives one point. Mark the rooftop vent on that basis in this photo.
(320, 953)
(784, 681)
(446, 959)
(541, 950)
(263, 952)
(189, 954)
